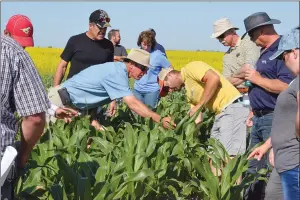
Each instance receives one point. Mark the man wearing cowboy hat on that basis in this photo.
(206, 86)
(240, 52)
(269, 78)
(101, 84)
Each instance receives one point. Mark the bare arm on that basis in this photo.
(141, 109)
(235, 81)
(32, 129)
(211, 83)
(271, 85)
(60, 72)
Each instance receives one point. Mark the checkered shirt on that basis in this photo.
(22, 90)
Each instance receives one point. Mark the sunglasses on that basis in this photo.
(142, 67)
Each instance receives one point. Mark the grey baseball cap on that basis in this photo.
(287, 42)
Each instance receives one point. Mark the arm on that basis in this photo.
(297, 117)
(60, 72)
(271, 85)
(260, 151)
(235, 81)
(31, 108)
(32, 129)
(211, 83)
(141, 109)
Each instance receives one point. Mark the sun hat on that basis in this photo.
(221, 26)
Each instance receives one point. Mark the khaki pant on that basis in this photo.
(55, 100)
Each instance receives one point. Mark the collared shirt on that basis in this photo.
(119, 50)
(193, 74)
(260, 99)
(148, 83)
(98, 85)
(244, 52)
(22, 90)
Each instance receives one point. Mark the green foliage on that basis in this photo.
(133, 158)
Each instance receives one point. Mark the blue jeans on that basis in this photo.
(260, 132)
(149, 98)
(290, 184)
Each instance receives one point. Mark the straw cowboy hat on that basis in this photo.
(139, 56)
(221, 26)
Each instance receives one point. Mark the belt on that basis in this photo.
(240, 99)
(242, 90)
(260, 113)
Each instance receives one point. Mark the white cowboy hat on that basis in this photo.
(221, 26)
(139, 56)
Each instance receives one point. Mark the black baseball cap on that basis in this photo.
(100, 18)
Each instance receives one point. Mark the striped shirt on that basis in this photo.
(22, 90)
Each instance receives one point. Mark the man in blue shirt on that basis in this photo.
(101, 84)
(268, 78)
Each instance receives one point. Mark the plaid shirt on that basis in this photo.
(22, 90)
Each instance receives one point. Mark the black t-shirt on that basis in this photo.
(84, 52)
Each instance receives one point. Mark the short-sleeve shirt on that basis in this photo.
(245, 52)
(160, 48)
(83, 52)
(193, 74)
(148, 83)
(260, 99)
(283, 133)
(22, 89)
(98, 85)
(119, 50)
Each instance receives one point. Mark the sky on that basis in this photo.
(178, 25)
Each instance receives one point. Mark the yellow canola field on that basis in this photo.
(46, 59)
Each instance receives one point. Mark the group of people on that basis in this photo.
(261, 65)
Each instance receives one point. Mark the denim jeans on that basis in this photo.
(149, 98)
(290, 184)
(260, 132)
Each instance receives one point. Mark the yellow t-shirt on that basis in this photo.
(192, 75)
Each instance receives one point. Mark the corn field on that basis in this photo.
(133, 158)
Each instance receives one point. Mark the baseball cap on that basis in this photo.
(101, 18)
(161, 77)
(21, 30)
(287, 42)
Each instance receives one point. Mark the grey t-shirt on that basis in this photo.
(120, 50)
(284, 142)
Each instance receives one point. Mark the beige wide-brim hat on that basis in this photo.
(221, 26)
(139, 56)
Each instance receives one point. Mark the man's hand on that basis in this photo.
(259, 152)
(66, 114)
(168, 123)
(194, 110)
(249, 121)
(97, 125)
(112, 108)
(252, 75)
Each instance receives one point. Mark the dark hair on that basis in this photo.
(135, 63)
(153, 31)
(112, 32)
(148, 37)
